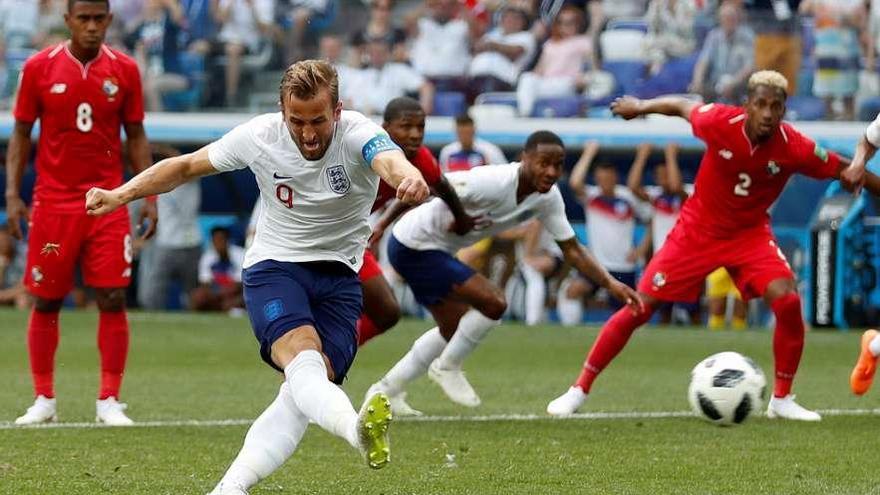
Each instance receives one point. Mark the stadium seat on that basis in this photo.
(805, 108)
(449, 104)
(193, 66)
(566, 106)
(869, 108)
(492, 112)
(499, 98)
(672, 78)
(622, 44)
(808, 36)
(633, 23)
(628, 74)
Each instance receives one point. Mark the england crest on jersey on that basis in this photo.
(338, 179)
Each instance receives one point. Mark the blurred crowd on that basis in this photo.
(560, 58)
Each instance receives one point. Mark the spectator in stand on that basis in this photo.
(383, 80)
(602, 11)
(839, 26)
(175, 251)
(18, 22)
(200, 29)
(379, 26)
(331, 49)
(560, 69)
(611, 211)
(469, 151)
(872, 36)
(154, 40)
(303, 17)
(50, 23)
(502, 54)
(441, 45)
(219, 276)
(244, 26)
(13, 258)
(670, 31)
(777, 30)
(726, 60)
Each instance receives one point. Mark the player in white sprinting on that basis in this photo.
(422, 246)
(318, 169)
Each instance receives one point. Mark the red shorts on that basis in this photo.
(370, 268)
(58, 241)
(678, 271)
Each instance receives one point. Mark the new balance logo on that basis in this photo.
(726, 154)
(58, 88)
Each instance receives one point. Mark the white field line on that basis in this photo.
(7, 425)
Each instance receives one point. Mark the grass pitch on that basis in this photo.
(206, 368)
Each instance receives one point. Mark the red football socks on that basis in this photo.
(611, 340)
(788, 341)
(113, 346)
(366, 330)
(42, 338)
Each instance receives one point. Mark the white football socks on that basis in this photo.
(415, 363)
(319, 399)
(874, 346)
(269, 442)
(472, 328)
(536, 294)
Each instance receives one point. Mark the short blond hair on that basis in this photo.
(306, 78)
(769, 78)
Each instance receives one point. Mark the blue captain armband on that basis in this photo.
(379, 143)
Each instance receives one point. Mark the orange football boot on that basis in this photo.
(863, 374)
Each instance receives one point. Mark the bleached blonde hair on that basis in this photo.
(769, 78)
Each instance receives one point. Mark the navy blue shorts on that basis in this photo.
(431, 274)
(281, 296)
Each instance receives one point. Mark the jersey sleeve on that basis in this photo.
(205, 275)
(872, 133)
(133, 107)
(813, 160)
(705, 120)
(552, 216)
(27, 101)
(366, 139)
(237, 149)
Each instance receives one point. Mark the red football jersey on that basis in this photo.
(737, 182)
(81, 109)
(427, 165)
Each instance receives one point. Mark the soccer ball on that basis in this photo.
(726, 388)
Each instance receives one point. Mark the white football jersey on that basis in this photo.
(309, 210)
(872, 134)
(487, 193)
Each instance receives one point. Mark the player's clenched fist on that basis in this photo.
(412, 190)
(101, 201)
(626, 107)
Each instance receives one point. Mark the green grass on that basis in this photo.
(206, 367)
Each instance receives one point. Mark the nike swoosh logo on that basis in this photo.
(279, 177)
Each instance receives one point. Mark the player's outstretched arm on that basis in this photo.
(17, 156)
(584, 262)
(464, 223)
(393, 167)
(630, 107)
(160, 178)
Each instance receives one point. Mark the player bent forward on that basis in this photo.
(317, 169)
(465, 304)
(750, 155)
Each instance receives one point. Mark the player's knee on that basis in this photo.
(787, 306)
(495, 307)
(110, 300)
(47, 305)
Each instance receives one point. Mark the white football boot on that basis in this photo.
(399, 406)
(110, 412)
(787, 408)
(454, 384)
(43, 411)
(567, 403)
(228, 489)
